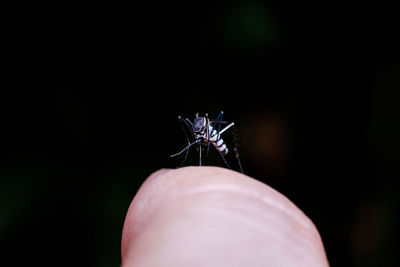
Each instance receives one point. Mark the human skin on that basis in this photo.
(210, 216)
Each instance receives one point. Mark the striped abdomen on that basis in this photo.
(217, 141)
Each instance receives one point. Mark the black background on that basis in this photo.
(90, 97)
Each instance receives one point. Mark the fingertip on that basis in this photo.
(175, 207)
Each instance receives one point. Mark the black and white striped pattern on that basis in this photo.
(217, 141)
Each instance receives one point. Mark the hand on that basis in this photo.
(210, 216)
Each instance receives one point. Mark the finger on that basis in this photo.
(210, 216)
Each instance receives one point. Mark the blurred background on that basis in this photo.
(90, 97)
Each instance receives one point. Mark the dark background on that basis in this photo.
(90, 97)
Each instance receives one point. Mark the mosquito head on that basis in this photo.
(199, 124)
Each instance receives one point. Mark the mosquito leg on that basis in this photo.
(236, 149)
(182, 121)
(184, 159)
(183, 150)
(210, 130)
(188, 122)
(223, 158)
(208, 137)
(199, 154)
(226, 128)
(219, 126)
(217, 121)
(238, 159)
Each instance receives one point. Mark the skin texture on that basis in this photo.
(210, 216)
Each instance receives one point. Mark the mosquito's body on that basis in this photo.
(205, 133)
(216, 140)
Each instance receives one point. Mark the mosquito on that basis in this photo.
(204, 132)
